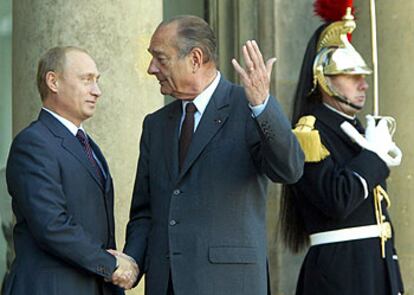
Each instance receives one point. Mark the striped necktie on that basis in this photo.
(80, 135)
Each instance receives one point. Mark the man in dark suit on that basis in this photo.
(197, 222)
(61, 188)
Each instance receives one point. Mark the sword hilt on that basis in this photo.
(391, 123)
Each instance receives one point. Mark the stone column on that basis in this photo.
(116, 33)
(396, 56)
(5, 79)
(5, 127)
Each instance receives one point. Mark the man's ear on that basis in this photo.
(51, 80)
(197, 57)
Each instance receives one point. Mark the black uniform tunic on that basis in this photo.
(330, 196)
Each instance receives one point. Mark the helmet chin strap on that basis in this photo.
(344, 100)
(340, 97)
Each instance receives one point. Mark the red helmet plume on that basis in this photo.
(331, 10)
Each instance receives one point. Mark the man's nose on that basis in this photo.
(152, 68)
(96, 90)
(363, 83)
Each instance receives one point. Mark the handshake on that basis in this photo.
(127, 271)
(378, 139)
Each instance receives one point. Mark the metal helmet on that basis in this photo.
(336, 55)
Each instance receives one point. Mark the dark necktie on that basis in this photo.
(187, 130)
(358, 126)
(80, 135)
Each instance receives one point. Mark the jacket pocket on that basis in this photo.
(229, 255)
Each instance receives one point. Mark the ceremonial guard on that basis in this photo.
(339, 206)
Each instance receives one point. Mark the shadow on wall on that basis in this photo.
(6, 228)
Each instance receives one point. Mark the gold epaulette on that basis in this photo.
(310, 140)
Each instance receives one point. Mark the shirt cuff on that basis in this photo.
(364, 184)
(258, 109)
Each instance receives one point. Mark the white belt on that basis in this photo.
(351, 234)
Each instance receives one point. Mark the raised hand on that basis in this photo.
(127, 271)
(256, 76)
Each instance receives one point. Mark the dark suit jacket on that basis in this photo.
(207, 223)
(64, 217)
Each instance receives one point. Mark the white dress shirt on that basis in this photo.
(202, 100)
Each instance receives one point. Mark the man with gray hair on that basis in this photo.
(197, 221)
(61, 189)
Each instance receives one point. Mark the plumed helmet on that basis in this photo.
(335, 55)
(329, 52)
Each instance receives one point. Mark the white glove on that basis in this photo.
(378, 135)
(377, 139)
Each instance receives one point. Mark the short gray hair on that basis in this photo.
(192, 32)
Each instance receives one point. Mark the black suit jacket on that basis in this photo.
(207, 223)
(64, 216)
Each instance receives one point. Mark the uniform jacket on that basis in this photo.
(207, 223)
(64, 217)
(331, 196)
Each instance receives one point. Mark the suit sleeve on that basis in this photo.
(139, 225)
(276, 151)
(336, 190)
(34, 181)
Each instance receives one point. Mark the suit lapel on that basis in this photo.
(69, 142)
(171, 139)
(108, 198)
(213, 119)
(73, 146)
(103, 162)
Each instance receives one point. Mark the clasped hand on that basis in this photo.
(377, 139)
(127, 271)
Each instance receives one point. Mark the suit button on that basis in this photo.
(176, 192)
(173, 222)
